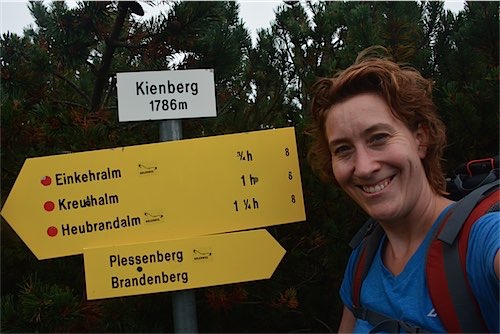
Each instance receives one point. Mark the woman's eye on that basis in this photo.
(379, 138)
(341, 150)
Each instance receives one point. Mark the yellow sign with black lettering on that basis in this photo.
(61, 204)
(180, 264)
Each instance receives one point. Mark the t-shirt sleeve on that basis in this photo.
(484, 243)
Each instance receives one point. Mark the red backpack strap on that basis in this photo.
(373, 234)
(446, 274)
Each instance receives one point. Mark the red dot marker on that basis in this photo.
(46, 180)
(52, 231)
(49, 206)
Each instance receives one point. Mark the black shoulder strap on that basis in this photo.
(461, 211)
(383, 323)
(363, 232)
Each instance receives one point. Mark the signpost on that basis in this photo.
(61, 204)
(169, 96)
(153, 218)
(159, 95)
(180, 264)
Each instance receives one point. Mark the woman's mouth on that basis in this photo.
(372, 189)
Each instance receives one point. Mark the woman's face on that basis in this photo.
(376, 159)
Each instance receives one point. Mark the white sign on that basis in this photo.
(155, 95)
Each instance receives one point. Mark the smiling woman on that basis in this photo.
(376, 133)
(375, 157)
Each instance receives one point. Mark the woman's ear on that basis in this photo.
(422, 138)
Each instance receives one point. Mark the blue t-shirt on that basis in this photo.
(406, 297)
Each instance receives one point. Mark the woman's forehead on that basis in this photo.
(361, 114)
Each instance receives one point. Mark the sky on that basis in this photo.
(256, 14)
(14, 14)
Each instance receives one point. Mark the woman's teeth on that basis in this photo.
(376, 188)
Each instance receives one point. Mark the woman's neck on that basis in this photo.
(406, 235)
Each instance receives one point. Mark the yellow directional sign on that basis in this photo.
(62, 204)
(180, 264)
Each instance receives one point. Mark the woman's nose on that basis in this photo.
(365, 163)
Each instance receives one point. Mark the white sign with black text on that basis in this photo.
(157, 95)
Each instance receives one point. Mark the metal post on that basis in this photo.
(183, 302)
(170, 130)
(184, 311)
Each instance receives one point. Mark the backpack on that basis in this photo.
(471, 175)
(445, 271)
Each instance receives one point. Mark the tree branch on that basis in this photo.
(73, 85)
(128, 45)
(70, 103)
(102, 72)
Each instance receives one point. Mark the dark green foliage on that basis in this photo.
(41, 307)
(51, 103)
(467, 84)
